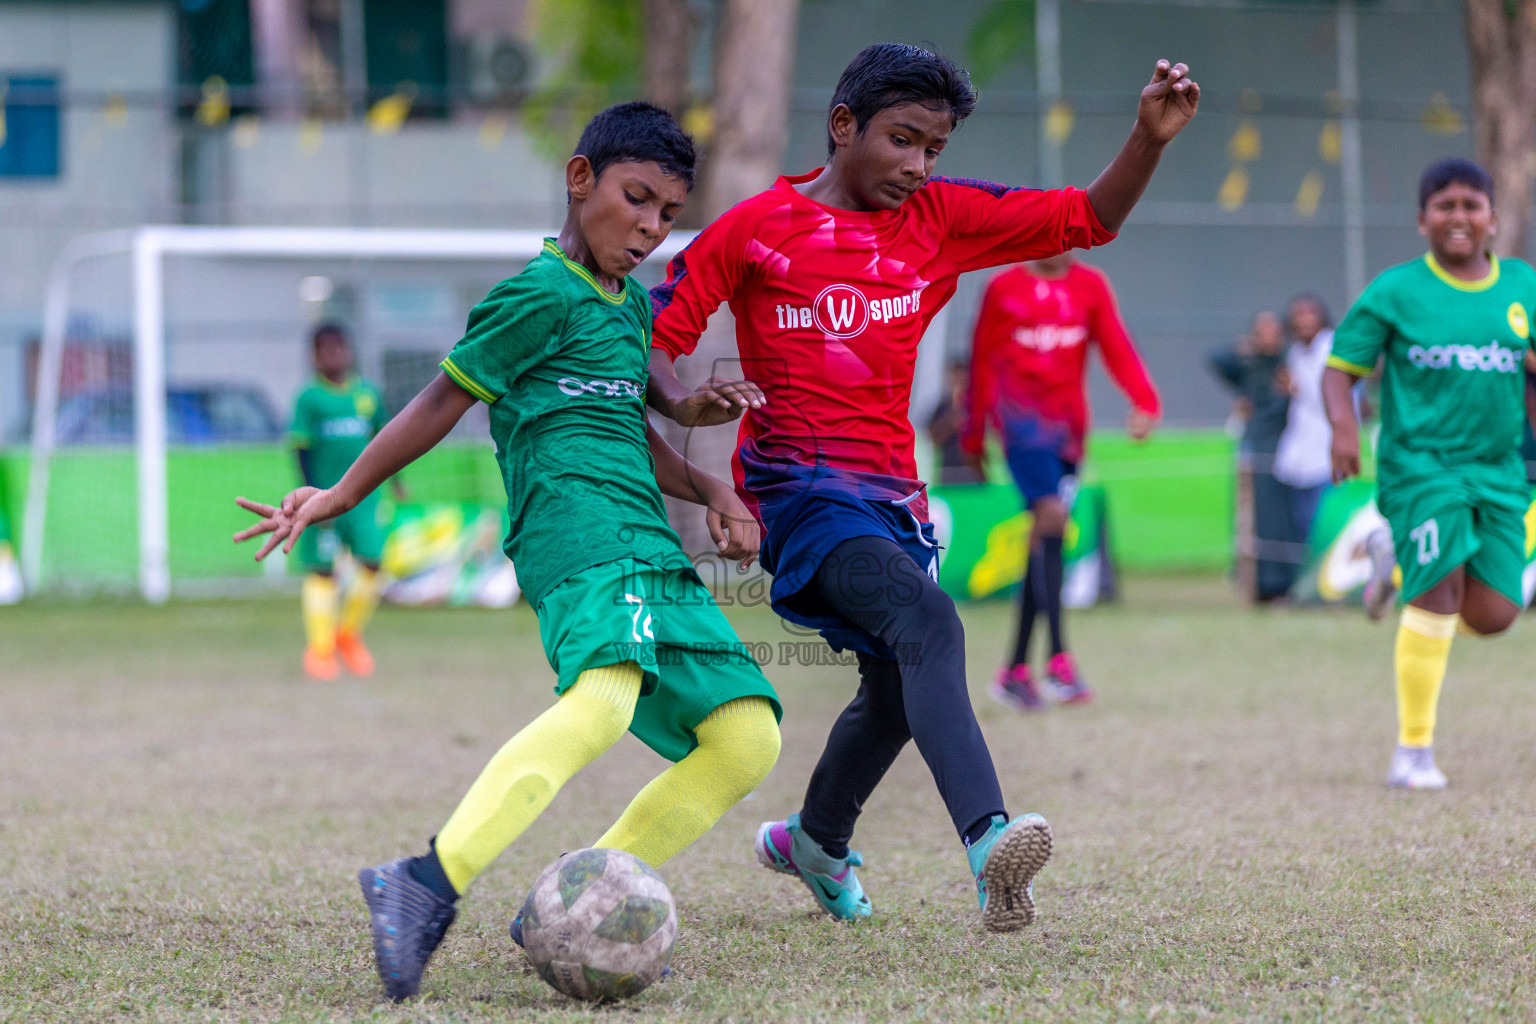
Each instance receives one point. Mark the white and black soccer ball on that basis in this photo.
(599, 925)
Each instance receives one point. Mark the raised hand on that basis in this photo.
(1168, 102)
(718, 400)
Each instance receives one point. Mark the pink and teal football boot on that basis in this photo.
(1005, 862)
(781, 846)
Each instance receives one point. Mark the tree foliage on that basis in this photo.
(1002, 33)
(595, 51)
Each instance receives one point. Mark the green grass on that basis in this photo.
(181, 816)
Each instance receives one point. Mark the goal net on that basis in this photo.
(163, 386)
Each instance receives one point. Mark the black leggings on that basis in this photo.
(922, 696)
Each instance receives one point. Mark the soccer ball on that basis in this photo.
(599, 925)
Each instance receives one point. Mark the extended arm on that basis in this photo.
(731, 526)
(407, 437)
(1167, 104)
(1339, 403)
(1126, 367)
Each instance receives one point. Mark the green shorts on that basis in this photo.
(1445, 516)
(359, 531)
(666, 621)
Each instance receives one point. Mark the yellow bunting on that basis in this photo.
(213, 110)
(1330, 142)
(115, 111)
(1439, 119)
(1310, 194)
(247, 127)
(1058, 122)
(492, 131)
(699, 121)
(1245, 144)
(1234, 190)
(311, 134)
(387, 115)
(1248, 101)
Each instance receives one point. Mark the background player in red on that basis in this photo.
(833, 276)
(1029, 361)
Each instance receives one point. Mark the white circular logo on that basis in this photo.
(841, 311)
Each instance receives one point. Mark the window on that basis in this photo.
(29, 126)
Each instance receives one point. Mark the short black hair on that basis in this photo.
(1316, 302)
(638, 132)
(329, 329)
(889, 74)
(1453, 171)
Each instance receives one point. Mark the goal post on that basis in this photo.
(493, 255)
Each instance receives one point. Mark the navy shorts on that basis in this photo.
(1041, 472)
(801, 538)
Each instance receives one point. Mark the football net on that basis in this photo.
(163, 386)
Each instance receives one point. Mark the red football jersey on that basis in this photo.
(830, 305)
(1030, 356)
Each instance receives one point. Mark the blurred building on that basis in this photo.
(409, 113)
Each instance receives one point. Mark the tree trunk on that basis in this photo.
(669, 28)
(1501, 40)
(754, 57)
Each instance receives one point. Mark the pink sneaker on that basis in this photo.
(1015, 687)
(1063, 683)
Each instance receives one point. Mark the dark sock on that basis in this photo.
(836, 849)
(428, 870)
(981, 827)
(1051, 572)
(1027, 608)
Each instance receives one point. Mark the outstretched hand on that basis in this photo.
(1169, 101)
(718, 400)
(733, 528)
(286, 521)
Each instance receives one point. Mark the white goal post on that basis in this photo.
(146, 250)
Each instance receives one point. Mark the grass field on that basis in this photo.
(182, 816)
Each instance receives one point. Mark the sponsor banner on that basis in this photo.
(1340, 566)
(984, 543)
(449, 553)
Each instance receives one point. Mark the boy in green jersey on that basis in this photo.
(1453, 329)
(334, 418)
(559, 354)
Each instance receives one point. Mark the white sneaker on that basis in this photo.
(1380, 591)
(1414, 768)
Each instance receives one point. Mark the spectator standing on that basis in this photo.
(1255, 371)
(1301, 459)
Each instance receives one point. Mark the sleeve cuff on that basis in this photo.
(468, 383)
(1349, 367)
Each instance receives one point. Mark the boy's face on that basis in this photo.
(895, 153)
(333, 355)
(627, 212)
(1306, 320)
(1268, 338)
(1457, 220)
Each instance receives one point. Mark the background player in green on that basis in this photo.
(1453, 328)
(559, 353)
(334, 418)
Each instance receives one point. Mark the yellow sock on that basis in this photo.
(362, 598)
(319, 603)
(1423, 648)
(529, 770)
(738, 744)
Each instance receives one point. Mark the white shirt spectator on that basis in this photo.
(1302, 459)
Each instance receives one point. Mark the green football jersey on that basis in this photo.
(562, 363)
(1453, 386)
(335, 422)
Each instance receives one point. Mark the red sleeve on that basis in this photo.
(988, 225)
(1118, 351)
(699, 278)
(981, 391)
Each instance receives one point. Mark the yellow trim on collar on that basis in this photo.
(586, 275)
(1464, 286)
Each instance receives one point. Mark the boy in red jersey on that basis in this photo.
(833, 277)
(1028, 362)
